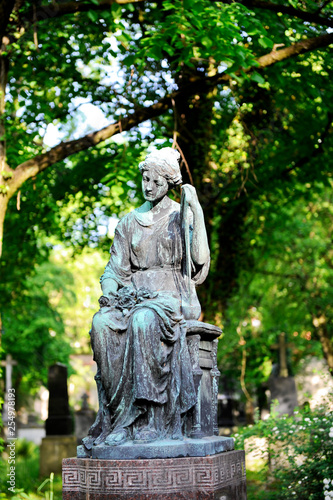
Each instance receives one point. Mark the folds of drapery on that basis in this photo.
(143, 358)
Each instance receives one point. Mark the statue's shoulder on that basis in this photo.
(128, 217)
(174, 206)
(126, 221)
(175, 211)
(169, 206)
(144, 216)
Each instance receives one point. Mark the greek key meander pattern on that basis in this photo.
(167, 478)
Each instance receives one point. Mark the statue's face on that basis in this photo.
(154, 186)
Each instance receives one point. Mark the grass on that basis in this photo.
(29, 484)
(260, 484)
(256, 482)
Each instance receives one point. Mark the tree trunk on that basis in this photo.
(3, 207)
(3, 83)
(3, 163)
(195, 137)
(6, 8)
(320, 323)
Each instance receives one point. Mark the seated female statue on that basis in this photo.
(144, 376)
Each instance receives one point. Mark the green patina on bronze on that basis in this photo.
(159, 254)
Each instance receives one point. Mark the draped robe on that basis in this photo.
(140, 349)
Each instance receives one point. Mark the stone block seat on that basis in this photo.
(202, 339)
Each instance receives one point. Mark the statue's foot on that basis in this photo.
(146, 436)
(96, 428)
(88, 442)
(178, 436)
(83, 451)
(102, 437)
(117, 437)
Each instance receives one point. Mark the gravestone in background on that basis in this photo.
(8, 425)
(84, 418)
(59, 441)
(59, 421)
(283, 389)
(281, 384)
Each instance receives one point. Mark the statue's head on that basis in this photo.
(165, 163)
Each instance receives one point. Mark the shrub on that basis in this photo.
(26, 466)
(300, 453)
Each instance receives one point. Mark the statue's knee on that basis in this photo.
(143, 317)
(99, 322)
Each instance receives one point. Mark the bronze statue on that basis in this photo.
(159, 254)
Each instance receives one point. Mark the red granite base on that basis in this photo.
(218, 477)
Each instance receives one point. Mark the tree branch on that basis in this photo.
(61, 9)
(311, 17)
(275, 56)
(40, 162)
(296, 49)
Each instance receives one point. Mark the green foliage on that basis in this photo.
(29, 485)
(90, 196)
(196, 32)
(51, 75)
(33, 331)
(285, 287)
(1, 439)
(85, 269)
(259, 149)
(26, 466)
(300, 453)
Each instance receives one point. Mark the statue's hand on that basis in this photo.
(109, 290)
(191, 196)
(107, 299)
(104, 301)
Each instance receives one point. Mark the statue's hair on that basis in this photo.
(166, 163)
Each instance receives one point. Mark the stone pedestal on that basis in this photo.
(53, 449)
(202, 465)
(165, 448)
(218, 477)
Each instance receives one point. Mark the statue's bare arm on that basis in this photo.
(199, 245)
(109, 287)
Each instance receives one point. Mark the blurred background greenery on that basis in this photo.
(244, 91)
